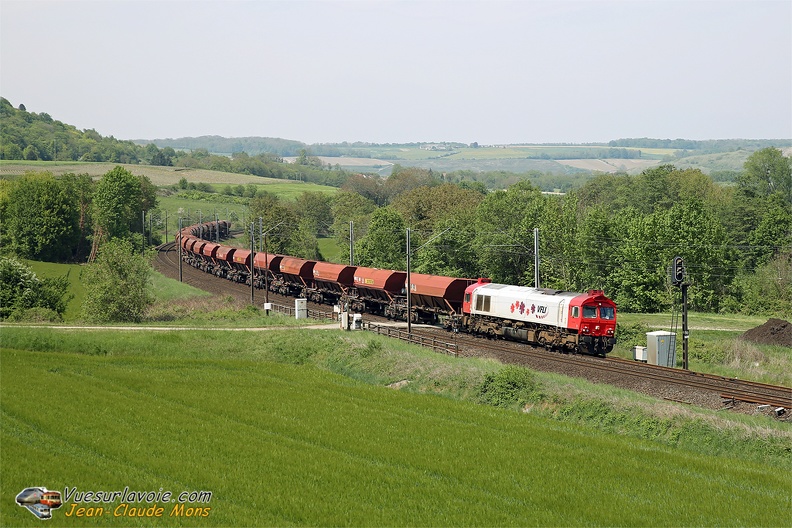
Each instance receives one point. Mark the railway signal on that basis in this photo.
(678, 273)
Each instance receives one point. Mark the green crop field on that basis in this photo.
(278, 439)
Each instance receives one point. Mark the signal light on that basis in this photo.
(677, 271)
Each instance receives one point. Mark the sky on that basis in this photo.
(394, 71)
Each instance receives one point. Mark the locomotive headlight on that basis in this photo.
(586, 330)
(609, 331)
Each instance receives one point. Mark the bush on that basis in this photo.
(21, 290)
(510, 386)
(117, 284)
(35, 315)
(630, 335)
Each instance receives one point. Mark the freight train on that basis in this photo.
(575, 322)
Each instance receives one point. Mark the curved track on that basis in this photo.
(670, 383)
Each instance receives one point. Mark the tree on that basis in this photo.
(504, 225)
(278, 219)
(385, 244)
(80, 188)
(117, 284)
(767, 171)
(423, 207)
(315, 211)
(117, 205)
(774, 232)
(451, 253)
(637, 277)
(769, 289)
(402, 180)
(346, 207)
(30, 153)
(21, 290)
(42, 218)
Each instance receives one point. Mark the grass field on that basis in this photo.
(76, 288)
(159, 176)
(260, 421)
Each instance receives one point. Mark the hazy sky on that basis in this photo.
(491, 71)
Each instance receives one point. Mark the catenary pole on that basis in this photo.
(409, 287)
(351, 245)
(252, 274)
(536, 258)
(180, 249)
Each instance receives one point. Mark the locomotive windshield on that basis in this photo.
(605, 312)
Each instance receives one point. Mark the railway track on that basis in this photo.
(669, 383)
(727, 388)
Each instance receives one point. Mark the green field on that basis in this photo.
(76, 288)
(260, 421)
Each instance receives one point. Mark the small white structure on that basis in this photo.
(301, 308)
(661, 348)
(639, 353)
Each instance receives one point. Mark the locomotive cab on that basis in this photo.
(593, 316)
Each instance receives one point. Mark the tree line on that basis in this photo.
(73, 219)
(617, 232)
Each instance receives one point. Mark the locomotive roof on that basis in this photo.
(509, 289)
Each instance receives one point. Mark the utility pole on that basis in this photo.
(351, 245)
(536, 258)
(266, 266)
(685, 333)
(252, 274)
(409, 287)
(180, 249)
(266, 277)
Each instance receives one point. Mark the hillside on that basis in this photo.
(37, 136)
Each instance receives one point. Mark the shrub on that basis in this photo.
(117, 284)
(511, 385)
(21, 289)
(35, 315)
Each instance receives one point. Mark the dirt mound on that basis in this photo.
(773, 332)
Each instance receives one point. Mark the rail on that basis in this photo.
(436, 345)
(312, 314)
(416, 339)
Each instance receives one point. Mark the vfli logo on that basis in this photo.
(39, 501)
